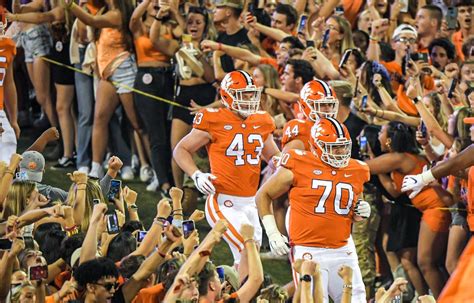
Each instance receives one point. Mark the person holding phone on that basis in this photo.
(464, 18)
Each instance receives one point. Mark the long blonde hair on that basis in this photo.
(347, 41)
(270, 75)
(93, 191)
(17, 196)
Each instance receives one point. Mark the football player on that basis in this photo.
(236, 137)
(324, 184)
(317, 100)
(8, 97)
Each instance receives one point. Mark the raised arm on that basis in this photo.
(8, 178)
(273, 33)
(166, 46)
(112, 18)
(80, 179)
(135, 23)
(385, 163)
(89, 246)
(234, 52)
(56, 14)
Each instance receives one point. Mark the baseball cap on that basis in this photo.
(230, 3)
(33, 165)
(404, 28)
(231, 276)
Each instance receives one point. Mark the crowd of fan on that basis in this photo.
(404, 78)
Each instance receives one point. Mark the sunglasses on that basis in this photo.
(405, 40)
(108, 286)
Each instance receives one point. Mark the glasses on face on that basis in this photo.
(108, 285)
(406, 40)
(332, 27)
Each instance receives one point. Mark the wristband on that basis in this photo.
(161, 254)
(249, 240)
(305, 278)
(372, 38)
(219, 46)
(416, 99)
(347, 286)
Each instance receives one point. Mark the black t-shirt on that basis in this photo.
(239, 37)
(354, 125)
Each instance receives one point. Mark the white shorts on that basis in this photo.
(237, 211)
(7, 139)
(330, 260)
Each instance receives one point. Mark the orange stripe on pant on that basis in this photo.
(232, 230)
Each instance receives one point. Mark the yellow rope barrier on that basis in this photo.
(118, 84)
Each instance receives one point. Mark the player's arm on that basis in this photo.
(415, 183)
(183, 152)
(277, 185)
(11, 99)
(270, 149)
(293, 144)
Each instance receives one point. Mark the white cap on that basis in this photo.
(404, 28)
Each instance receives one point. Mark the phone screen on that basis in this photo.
(424, 131)
(5, 244)
(325, 38)
(141, 235)
(452, 18)
(188, 228)
(29, 242)
(37, 273)
(309, 43)
(114, 190)
(221, 273)
(452, 88)
(96, 201)
(302, 24)
(364, 102)
(345, 57)
(112, 224)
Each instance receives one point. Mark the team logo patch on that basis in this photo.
(228, 203)
(59, 46)
(317, 172)
(307, 256)
(227, 127)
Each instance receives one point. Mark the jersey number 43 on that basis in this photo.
(237, 148)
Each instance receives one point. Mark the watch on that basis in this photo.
(305, 278)
(133, 207)
(416, 99)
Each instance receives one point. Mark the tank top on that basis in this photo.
(147, 53)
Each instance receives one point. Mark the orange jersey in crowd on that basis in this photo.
(297, 129)
(470, 199)
(427, 200)
(235, 148)
(322, 199)
(7, 53)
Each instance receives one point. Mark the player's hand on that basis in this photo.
(203, 182)
(278, 243)
(362, 209)
(414, 183)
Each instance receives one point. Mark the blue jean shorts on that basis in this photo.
(125, 74)
(36, 42)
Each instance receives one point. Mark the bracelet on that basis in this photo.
(82, 183)
(70, 228)
(347, 286)
(161, 254)
(372, 38)
(219, 46)
(9, 171)
(158, 19)
(176, 210)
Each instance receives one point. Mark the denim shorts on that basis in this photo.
(458, 216)
(36, 42)
(125, 74)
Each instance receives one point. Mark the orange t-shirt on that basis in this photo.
(235, 148)
(458, 40)
(427, 198)
(352, 9)
(470, 199)
(154, 294)
(7, 53)
(147, 53)
(322, 199)
(297, 129)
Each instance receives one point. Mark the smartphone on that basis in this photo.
(114, 190)
(345, 57)
(452, 88)
(309, 43)
(364, 102)
(407, 60)
(140, 235)
(339, 10)
(221, 273)
(423, 130)
(452, 18)
(95, 201)
(325, 39)
(363, 145)
(188, 228)
(37, 273)
(419, 57)
(302, 24)
(5, 244)
(112, 224)
(356, 89)
(404, 4)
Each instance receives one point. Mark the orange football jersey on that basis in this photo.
(297, 129)
(7, 53)
(322, 199)
(235, 149)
